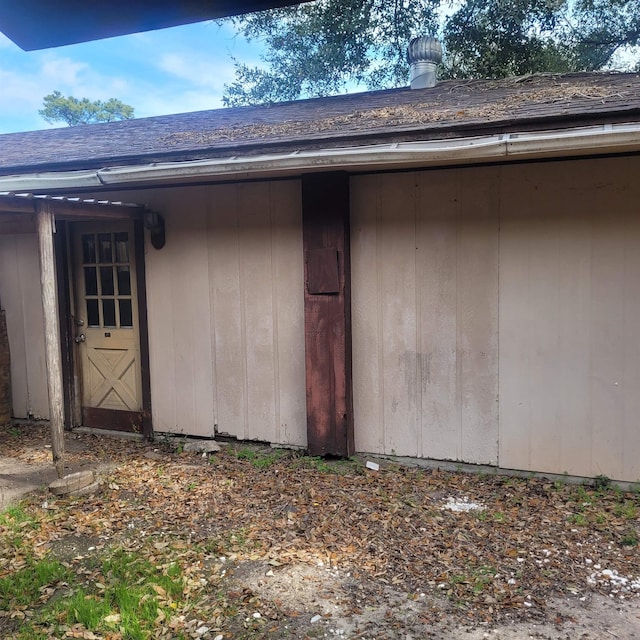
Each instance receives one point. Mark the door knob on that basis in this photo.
(80, 338)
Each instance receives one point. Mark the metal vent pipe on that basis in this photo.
(424, 54)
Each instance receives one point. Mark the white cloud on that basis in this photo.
(62, 72)
(168, 71)
(197, 69)
(24, 87)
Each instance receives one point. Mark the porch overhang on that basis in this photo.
(26, 213)
(21, 204)
(39, 24)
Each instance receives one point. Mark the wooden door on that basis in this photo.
(107, 325)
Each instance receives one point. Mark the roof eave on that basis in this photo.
(436, 131)
(507, 147)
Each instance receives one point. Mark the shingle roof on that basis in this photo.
(451, 109)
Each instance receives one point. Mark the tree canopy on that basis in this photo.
(324, 47)
(74, 111)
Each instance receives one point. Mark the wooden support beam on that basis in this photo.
(327, 313)
(45, 226)
(64, 208)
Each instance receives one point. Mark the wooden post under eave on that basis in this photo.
(51, 332)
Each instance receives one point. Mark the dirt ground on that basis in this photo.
(385, 612)
(335, 550)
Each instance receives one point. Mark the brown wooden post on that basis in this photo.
(51, 332)
(327, 313)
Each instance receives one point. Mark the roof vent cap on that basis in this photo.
(424, 55)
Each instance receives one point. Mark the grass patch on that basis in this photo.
(23, 588)
(15, 524)
(627, 510)
(579, 519)
(15, 519)
(127, 593)
(482, 578)
(260, 459)
(630, 539)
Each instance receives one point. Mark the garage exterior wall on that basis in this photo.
(497, 315)
(425, 314)
(570, 318)
(225, 310)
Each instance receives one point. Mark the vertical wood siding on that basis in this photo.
(225, 312)
(178, 313)
(256, 275)
(570, 318)
(425, 309)
(547, 253)
(21, 298)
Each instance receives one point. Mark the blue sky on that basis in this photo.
(159, 72)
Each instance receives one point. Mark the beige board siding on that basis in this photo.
(425, 312)
(570, 318)
(20, 296)
(179, 315)
(225, 311)
(256, 276)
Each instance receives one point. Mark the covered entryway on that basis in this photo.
(89, 303)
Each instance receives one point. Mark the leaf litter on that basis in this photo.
(274, 544)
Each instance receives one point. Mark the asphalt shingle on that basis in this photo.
(451, 109)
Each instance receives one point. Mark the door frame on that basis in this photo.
(65, 274)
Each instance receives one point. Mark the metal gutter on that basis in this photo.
(592, 140)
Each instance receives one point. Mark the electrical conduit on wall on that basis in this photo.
(5, 371)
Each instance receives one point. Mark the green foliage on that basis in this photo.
(317, 48)
(494, 38)
(23, 587)
(605, 27)
(130, 595)
(328, 46)
(81, 608)
(579, 519)
(261, 459)
(14, 522)
(601, 482)
(15, 518)
(74, 111)
(627, 510)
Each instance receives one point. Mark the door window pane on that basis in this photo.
(124, 281)
(126, 315)
(106, 281)
(88, 248)
(109, 312)
(93, 316)
(104, 247)
(122, 246)
(90, 281)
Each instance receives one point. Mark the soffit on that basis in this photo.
(40, 24)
